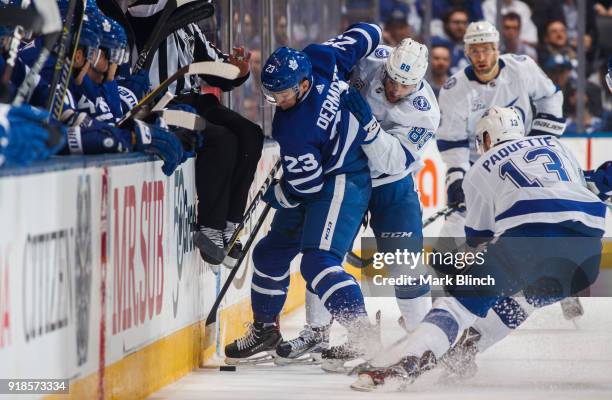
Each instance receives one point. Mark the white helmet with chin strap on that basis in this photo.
(501, 124)
(408, 62)
(480, 32)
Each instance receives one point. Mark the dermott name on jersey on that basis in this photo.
(508, 149)
(330, 105)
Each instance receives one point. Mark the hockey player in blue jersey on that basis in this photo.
(388, 95)
(323, 194)
(527, 199)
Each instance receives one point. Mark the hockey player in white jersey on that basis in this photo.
(528, 198)
(388, 94)
(490, 80)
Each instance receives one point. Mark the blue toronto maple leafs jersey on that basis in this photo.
(318, 136)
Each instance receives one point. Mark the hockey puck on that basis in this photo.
(227, 368)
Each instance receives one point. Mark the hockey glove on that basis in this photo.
(159, 141)
(599, 181)
(279, 198)
(139, 83)
(454, 190)
(98, 138)
(26, 136)
(547, 124)
(359, 107)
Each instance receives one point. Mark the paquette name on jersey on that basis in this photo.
(508, 149)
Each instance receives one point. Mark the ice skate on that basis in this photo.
(304, 349)
(257, 346)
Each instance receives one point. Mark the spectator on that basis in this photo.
(408, 7)
(396, 27)
(252, 87)
(556, 44)
(451, 36)
(591, 123)
(280, 32)
(603, 8)
(559, 69)
(510, 41)
(544, 11)
(529, 32)
(570, 11)
(440, 67)
(442, 7)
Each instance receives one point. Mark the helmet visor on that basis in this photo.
(115, 55)
(283, 97)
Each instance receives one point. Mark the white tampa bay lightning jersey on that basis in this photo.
(464, 99)
(410, 124)
(534, 180)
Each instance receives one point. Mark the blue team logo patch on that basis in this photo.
(381, 52)
(450, 83)
(421, 103)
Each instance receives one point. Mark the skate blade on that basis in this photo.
(253, 360)
(305, 359)
(364, 383)
(337, 366)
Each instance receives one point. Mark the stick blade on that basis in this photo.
(184, 119)
(218, 69)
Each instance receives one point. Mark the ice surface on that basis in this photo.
(548, 357)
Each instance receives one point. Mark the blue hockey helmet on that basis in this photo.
(90, 34)
(122, 42)
(111, 39)
(285, 69)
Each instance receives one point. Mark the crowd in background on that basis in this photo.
(545, 30)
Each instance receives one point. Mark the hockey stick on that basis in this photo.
(221, 70)
(163, 102)
(183, 119)
(212, 316)
(52, 30)
(359, 262)
(63, 66)
(254, 203)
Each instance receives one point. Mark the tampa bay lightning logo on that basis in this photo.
(450, 83)
(421, 103)
(519, 58)
(381, 52)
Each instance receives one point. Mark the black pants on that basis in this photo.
(226, 164)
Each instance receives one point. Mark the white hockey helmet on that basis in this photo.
(501, 123)
(480, 32)
(408, 62)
